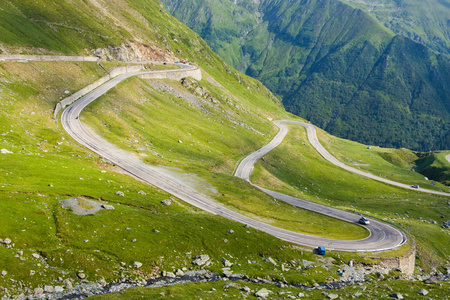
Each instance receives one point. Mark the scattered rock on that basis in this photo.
(201, 260)
(271, 260)
(81, 275)
(332, 296)
(300, 295)
(59, 289)
(108, 207)
(227, 272)
(232, 284)
(246, 289)
(7, 241)
(230, 231)
(38, 292)
(350, 263)
(120, 194)
(396, 296)
(180, 141)
(179, 272)
(263, 293)
(35, 255)
(307, 263)
(170, 275)
(4, 273)
(142, 193)
(4, 151)
(226, 262)
(102, 282)
(32, 272)
(155, 230)
(49, 289)
(167, 202)
(431, 280)
(137, 264)
(423, 292)
(68, 284)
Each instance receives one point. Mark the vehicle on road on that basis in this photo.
(416, 186)
(321, 250)
(364, 221)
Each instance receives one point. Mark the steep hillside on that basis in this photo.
(334, 65)
(425, 21)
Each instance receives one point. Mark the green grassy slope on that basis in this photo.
(435, 166)
(46, 167)
(423, 21)
(335, 66)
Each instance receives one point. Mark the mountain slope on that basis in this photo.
(333, 65)
(425, 21)
(194, 130)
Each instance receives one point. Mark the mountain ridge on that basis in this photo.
(319, 55)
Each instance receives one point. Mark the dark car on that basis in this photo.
(364, 221)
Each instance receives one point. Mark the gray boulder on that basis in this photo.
(167, 202)
(201, 260)
(68, 284)
(38, 291)
(108, 207)
(396, 296)
(120, 194)
(271, 260)
(423, 292)
(226, 262)
(263, 293)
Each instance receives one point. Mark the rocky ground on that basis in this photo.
(354, 275)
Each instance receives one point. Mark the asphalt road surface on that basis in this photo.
(382, 236)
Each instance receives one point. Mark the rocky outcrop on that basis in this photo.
(135, 52)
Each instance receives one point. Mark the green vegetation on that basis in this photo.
(435, 166)
(425, 22)
(333, 65)
(229, 117)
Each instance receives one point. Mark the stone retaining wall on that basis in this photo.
(404, 263)
(169, 74)
(174, 74)
(24, 58)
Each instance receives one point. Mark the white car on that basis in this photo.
(364, 221)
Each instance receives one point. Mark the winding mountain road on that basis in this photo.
(245, 168)
(382, 236)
